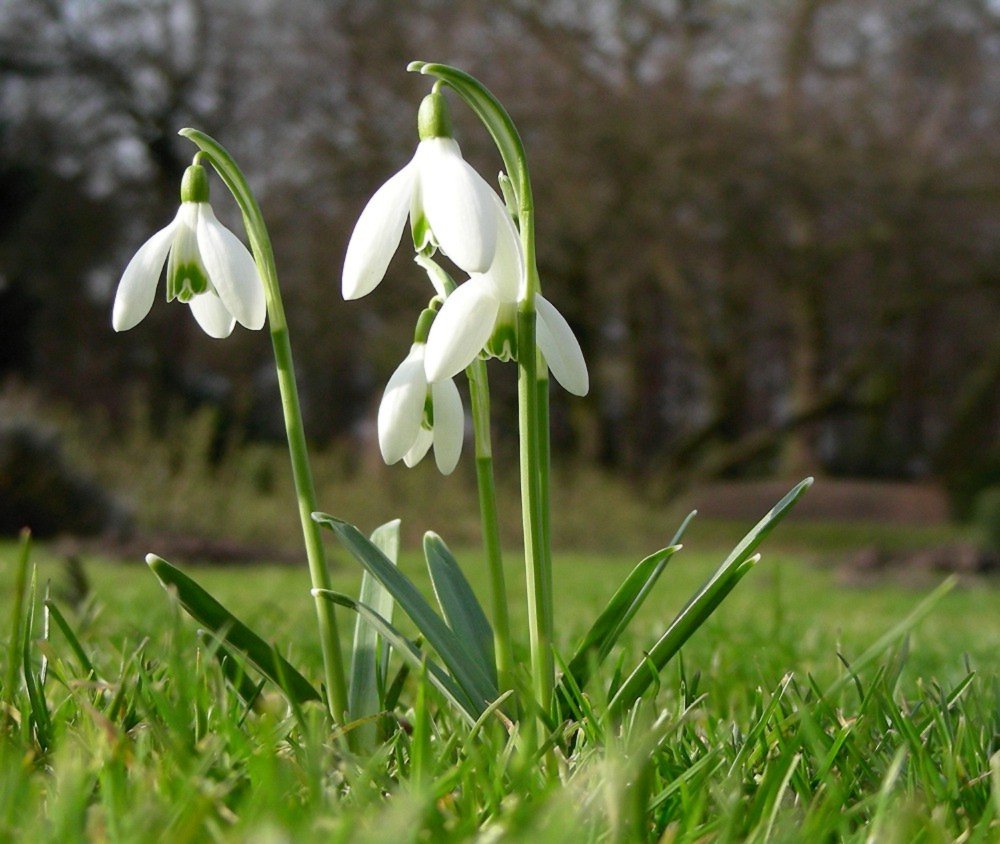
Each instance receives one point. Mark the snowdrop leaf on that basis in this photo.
(408, 651)
(212, 615)
(466, 670)
(363, 696)
(459, 604)
(698, 609)
(611, 623)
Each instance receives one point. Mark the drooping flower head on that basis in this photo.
(480, 316)
(415, 414)
(449, 205)
(208, 268)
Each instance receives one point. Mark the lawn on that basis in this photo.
(758, 731)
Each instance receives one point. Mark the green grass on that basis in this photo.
(738, 743)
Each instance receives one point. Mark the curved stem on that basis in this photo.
(479, 391)
(260, 243)
(532, 392)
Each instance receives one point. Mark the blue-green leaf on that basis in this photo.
(703, 603)
(621, 609)
(459, 605)
(468, 673)
(363, 697)
(409, 651)
(204, 609)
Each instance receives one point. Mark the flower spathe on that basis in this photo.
(448, 203)
(415, 414)
(481, 314)
(208, 267)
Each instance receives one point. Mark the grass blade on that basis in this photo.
(36, 691)
(363, 696)
(71, 639)
(204, 609)
(468, 673)
(232, 669)
(458, 603)
(410, 652)
(17, 617)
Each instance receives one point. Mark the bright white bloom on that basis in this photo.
(481, 314)
(449, 204)
(209, 268)
(414, 415)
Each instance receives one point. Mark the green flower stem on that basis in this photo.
(538, 572)
(260, 243)
(532, 400)
(479, 390)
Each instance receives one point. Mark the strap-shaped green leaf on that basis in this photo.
(704, 602)
(409, 651)
(363, 697)
(459, 604)
(621, 609)
(618, 614)
(467, 672)
(208, 612)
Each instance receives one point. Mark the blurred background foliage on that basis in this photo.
(773, 226)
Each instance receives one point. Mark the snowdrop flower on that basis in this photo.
(449, 205)
(208, 268)
(482, 312)
(414, 415)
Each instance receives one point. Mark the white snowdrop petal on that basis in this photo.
(402, 407)
(507, 270)
(376, 234)
(561, 348)
(212, 315)
(458, 204)
(461, 328)
(231, 270)
(137, 289)
(419, 449)
(449, 425)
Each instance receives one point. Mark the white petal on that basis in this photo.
(212, 315)
(458, 204)
(449, 425)
(561, 348)
(231, 270)
(507, 270)
(402, 407)
(376, 234)
(461, 328)
(137, 289)
(419, 449)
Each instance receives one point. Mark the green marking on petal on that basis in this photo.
(503, 342)
(428, 421)
(423, 237)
